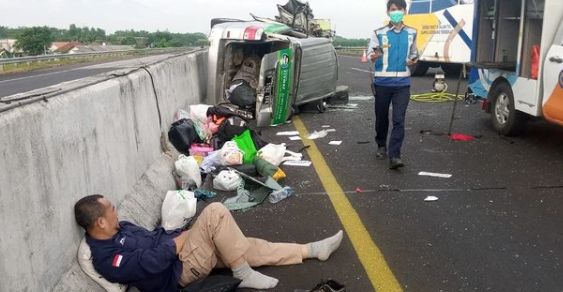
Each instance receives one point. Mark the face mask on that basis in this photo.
(397, 16)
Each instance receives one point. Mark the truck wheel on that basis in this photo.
(451, 69)
(504, 116)
(420, 69)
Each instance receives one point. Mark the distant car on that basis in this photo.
(293, 69)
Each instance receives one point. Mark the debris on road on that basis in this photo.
(279, 195)
(335, 143)
(431, 199)
(440, 175)
(316, 135)
(288, 133)
(303, 163)
(462, 137)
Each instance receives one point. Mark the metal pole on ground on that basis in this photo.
(461, 74)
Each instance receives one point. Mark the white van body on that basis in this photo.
(510, 34)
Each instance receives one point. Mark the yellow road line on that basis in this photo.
(370, 256)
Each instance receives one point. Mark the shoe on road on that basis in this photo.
(396, 163)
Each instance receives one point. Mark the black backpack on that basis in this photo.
(182, 134)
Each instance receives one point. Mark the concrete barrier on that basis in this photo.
(105, 138)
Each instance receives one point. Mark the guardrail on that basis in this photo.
(350, 48)
(40, 58)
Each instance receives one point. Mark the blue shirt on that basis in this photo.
(138, 257)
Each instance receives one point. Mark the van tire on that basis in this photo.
(505, 118)
(419, 69)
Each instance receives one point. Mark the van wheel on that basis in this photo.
(505, 118)
(419, 69)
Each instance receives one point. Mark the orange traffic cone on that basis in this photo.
(365, 57)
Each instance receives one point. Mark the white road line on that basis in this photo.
(39, 75)
(361, 70)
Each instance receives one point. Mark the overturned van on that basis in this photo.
(286, 68)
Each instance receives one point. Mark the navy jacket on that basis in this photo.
(138, 257)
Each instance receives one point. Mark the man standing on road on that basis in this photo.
(393, 50)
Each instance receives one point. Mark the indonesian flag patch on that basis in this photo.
(117, 260)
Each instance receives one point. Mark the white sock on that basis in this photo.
(323, 249)
(252, 279)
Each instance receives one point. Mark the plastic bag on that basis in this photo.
(246, 145)
(198, 112)
(177, 209)
(275, 154)
(230, 154)
(211, 162)
(180, 115)
(187, 169)
(227, 180)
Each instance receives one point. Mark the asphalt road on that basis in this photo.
(495, 227)
(26, 81)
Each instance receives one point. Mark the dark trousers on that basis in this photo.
(384, 97)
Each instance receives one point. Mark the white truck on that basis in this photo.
(518, 61)
(444, 38)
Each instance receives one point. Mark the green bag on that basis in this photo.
(246, 144)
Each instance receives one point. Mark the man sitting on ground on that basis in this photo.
(159, 260)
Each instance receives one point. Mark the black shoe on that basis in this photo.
(381, 153)
(328, 286)
(396, 163)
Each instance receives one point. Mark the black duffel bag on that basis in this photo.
(182, 134)
(243, 95)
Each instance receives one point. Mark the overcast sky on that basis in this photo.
(351, 18)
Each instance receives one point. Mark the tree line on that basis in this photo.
(35, 40)
(344, 42)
